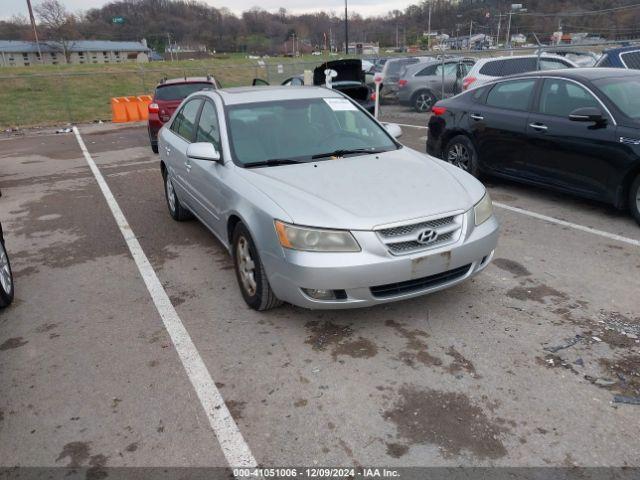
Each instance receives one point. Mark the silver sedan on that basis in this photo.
(318, 203)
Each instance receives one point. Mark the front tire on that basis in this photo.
(461, 153)
(6, 278)
(634, 199)
(250, 273)
(176, 210)
(423, 101)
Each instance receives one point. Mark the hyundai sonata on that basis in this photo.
(317, 202)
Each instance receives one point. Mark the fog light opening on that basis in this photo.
(322, 294)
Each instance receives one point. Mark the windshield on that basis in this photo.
(301, 129)
(624, 93)
(180, 90)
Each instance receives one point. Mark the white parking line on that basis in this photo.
(582, 228)
(233, 445)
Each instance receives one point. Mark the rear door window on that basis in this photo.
(631, 59)
(185, 122)
(512, 95)
(508, 66)
(208, 128)
(560, 98)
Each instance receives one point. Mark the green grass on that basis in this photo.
(43, 95)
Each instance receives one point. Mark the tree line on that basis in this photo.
(194, 23)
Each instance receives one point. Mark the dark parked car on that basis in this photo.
(166, 98)
(350, 80)
(6, 276)
(574, 130)
(624, 57)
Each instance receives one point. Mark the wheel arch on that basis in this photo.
(622, 198)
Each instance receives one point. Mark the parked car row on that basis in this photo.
(572, 130)
(417, 82)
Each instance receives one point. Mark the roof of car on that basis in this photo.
(623, 49)
(514, 57)
(240, 95)
(583, 73)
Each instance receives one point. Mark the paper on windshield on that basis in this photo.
(339, 104)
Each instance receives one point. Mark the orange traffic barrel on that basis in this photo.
(143, 106)
(131, 104)
(118, 111)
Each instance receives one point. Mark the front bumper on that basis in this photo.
(361, 274)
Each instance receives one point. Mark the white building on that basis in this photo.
(16, 53)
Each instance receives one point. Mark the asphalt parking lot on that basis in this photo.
(517, 367)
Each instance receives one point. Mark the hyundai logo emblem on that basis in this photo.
(427, 236)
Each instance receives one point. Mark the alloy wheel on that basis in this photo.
(246, 266)
(424, 102)
(171, 195)
(5, 271)
(459, 156)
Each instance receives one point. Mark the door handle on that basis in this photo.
(539, 127)
(167, 149)
(187, 165)
(477, 117)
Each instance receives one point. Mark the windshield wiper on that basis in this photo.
(348, 151)
(272, 162)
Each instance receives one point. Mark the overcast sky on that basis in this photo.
(363, 7)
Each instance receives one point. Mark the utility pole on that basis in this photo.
(508, 39)
(346, 28)
(499, 25)
(429, 29)
(470, 33)
(169, 43)
(35, 31)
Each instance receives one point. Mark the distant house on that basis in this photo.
(15, 53)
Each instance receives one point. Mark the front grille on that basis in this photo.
(403, 239)
(410, 286)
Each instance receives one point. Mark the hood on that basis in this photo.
(363, 192)
(349, 69)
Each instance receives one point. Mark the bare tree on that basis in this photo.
(59, 24)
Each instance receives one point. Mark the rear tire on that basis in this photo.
(250, 273)
(6, 278)
(461, 152)
(423, 100)
(176, 210)
(634, 199)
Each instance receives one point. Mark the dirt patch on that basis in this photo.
(12, 343)
(416, 348)
(360, 348)
(511, 266)
(460, 363)
(536, 294)
(132, 447)
(446, 419)
(328, 334)
(397, 450)
(77, 453)
(301, 402)
(627, 371)
(236, 408)
(46, 327)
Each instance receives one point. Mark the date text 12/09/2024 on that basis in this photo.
(315, 472)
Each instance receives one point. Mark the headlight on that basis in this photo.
(483, 209)
(315, 239)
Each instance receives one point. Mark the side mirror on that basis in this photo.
(203, 151)
(394, 129)
(587, 114)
